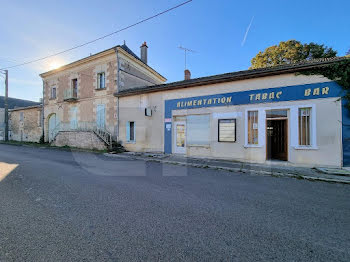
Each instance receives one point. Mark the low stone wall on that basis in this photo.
(79, 139)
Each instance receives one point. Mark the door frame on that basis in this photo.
(286, 143)
(175, 151)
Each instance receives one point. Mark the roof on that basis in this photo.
(15, 102)
(26, 108)
(124, 47)
(234, 76)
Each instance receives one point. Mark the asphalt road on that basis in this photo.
(64, 206)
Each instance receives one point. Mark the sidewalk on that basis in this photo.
(274, 169)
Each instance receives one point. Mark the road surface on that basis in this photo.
(68, 206)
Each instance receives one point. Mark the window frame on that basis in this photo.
(74, 80)
(308, 139)
(21, 116)
(99, 80)
(227, 119)
(51, 95)
(258, 128)
(128, 133)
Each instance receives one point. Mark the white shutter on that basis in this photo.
(198, 129)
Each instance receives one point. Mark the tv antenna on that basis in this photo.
(186, 50)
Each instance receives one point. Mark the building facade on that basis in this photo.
(12, 103)
(261, 116)
(25, 124)
(80, 96)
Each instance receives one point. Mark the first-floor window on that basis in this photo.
(75, 87)
(198, 129)
(53, 92)
(253, 128)
(101, 80)
(130, 131)
(227, 130)
(21, 116)
(304, 126)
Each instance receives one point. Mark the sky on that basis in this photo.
(226, 34)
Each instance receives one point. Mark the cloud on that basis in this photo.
(247, 31)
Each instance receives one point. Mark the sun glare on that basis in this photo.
(6, 169)
(54, 65)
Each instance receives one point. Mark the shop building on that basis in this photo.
(262, 116)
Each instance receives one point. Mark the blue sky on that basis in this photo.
(215, 29)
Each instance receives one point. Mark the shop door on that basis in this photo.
(277, 140)
(180, 138)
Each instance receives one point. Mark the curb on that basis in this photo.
(233, 169)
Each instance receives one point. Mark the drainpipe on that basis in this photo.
(118, 84)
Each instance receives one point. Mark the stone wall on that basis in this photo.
(79, 139)
(28, 128)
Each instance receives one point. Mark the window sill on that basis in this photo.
(130, 142)
(305, 147)
(253, 146)
(100, 89)
(205, 146)
(52, 99)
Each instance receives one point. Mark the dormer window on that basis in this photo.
(101, 83)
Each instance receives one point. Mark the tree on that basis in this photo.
(291, 51)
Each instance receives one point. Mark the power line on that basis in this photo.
(100, 38)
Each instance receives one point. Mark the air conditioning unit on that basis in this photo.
(148, 111)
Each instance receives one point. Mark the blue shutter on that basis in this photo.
(128, 131)
(100, 116)
(73, 121)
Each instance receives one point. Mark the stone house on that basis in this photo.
(79, 97)
(25, 124)
(12, 103)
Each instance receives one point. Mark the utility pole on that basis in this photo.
(6, 105)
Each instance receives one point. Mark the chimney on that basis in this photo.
(144, 48)
(187, 74)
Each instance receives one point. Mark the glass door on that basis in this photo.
(180, 138)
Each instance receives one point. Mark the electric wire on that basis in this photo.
(100, 38)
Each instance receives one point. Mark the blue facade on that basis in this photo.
(270, 95)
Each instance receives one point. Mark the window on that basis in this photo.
(304, 126)
(101, 80)
(75, 87)
(21, 116)
(53, 92)
(227, 130)
(198, 129)
(253, 128)
(130, 131)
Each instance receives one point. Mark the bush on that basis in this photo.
(117, 147)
